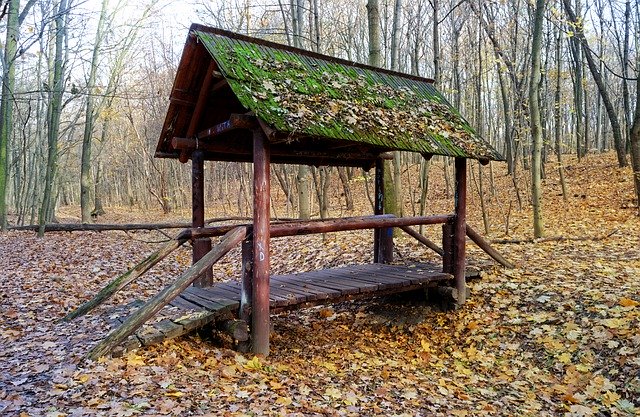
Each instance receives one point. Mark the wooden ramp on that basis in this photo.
(197, 307)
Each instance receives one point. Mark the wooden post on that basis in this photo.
(447, 247)
(378, 206)
(244, 312)
(261, 210)
(460, 230)
(382, 237)
(247, 278)
(203, 245)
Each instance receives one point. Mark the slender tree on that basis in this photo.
(86, 178)
(634, 136)
(597, 77)
(536, 123)
(14, 19)
(54, 111)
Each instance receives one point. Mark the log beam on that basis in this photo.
(420, 238)
(294, 228)
(125, 279)
(485, 246)
(261, 211)
(459, 230)
(155, 304)
(202, 245)
(199, 107)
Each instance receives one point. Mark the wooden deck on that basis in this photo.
(197, 307)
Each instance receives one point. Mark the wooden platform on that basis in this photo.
(197, 307)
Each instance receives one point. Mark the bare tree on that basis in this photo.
(602, 88)
(536, 124)
(14, 20)
(53, 114)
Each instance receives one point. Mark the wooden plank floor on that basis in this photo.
(196, 307)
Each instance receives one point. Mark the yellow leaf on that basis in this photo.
(83, 378)
(425, 345)
(613, 323)
(275, 385)
(565, 358)
(610, 398)
(228, 372)
(284, 401)
(583, 368)
(333, 393)
(254, 364)
(175, 394)
(628, 302)
(330, 366)
(135, 360)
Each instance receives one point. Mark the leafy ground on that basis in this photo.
(557, 335)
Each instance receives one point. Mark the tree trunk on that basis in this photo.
(536, 124)
(6, 103)
(634, 136)
(602, 89)
(53, 114)
(86, 180)
(373, 19)
(557, 118)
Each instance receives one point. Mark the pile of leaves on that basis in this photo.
(559, 335)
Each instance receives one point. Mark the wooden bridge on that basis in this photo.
(198, 307)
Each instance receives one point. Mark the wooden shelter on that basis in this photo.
(237, 98)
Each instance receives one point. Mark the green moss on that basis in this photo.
(300, 94)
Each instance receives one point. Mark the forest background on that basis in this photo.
(86, 86)
(84, 94)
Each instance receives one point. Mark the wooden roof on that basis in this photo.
(313, 108)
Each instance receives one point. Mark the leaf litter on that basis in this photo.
(557, 335)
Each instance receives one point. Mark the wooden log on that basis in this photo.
(237, 329)
(236, 121)
(261, 236)
(155, 304)
(125, 279)
(247, 278)
(295, 228)
(420, 238)
(198, 110)
(447, 247)
(203, 245)
(378, 206)
(459, 230)
(485, 246)
(105, 227)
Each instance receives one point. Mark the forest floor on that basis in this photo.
(557, 335)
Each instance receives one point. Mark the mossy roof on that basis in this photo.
(306, 95)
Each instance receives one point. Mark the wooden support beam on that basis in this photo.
(447, 247)
(378, 206)
(155, 304)
(202, 245)
(420, 238)
(294, 228)
(199, 107)
(289, 155)
(383, 237)
(236, 329)
(261, 211)
(236, 121)
(460, 230)
(485, 246)
(247, 277)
